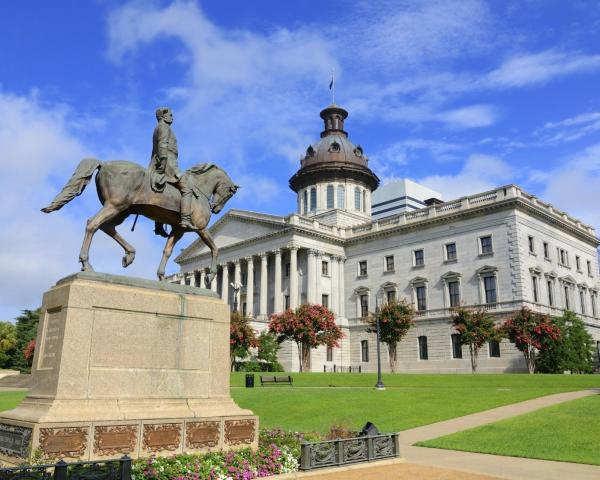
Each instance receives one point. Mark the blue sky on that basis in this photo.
(460, 95)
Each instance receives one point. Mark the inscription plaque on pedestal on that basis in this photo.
(14, 440)
(110, 440)
(202, 434)
(162, 436)
(239, 431)
(63, 442)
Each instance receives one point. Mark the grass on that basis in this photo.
(319, 400)
(9, 400)
(569, 432)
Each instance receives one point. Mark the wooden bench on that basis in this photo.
(275, 380)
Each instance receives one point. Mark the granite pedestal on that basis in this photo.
(127, 366)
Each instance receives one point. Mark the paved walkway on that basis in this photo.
(420, 463)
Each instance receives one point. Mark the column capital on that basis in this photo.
(313, 251)
(237, 261)
(276, 251)
(249, 258)
(263, 254)
(293, 246)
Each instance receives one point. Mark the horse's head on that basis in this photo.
(224, 190)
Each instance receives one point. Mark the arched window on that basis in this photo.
(356, 198)
(313, 199)
(305, 201)
(364, 201)
(341, 197)
(329, 196)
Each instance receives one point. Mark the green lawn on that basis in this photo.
(569, 432)
(318, 400)
(9, 400)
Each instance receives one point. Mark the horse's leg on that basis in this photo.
(106, 213)
(111, 231)
(208, 240)
(174, 236)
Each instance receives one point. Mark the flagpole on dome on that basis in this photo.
(332, 86)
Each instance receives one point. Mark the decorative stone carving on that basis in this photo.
(161, 436)
(239, 432)
(334, 147)
(310, 151)
(358, 151)
(202, 434)
(115, 439)
(63, 442)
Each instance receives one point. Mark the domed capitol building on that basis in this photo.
(352, 246)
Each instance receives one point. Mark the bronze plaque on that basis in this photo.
(202, 434)
(239, 431)
(63, 442)
(113, 439)
(162, 436)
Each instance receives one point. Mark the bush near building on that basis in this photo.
(242, 337)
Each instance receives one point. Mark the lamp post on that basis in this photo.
(379, 385)
(236, 290)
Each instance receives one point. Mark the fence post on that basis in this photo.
(61, 471)
(324, 368)
(305, 457)
(334, 368)
(125, 468)
(360, 369)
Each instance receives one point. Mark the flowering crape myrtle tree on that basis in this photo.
(529, 331)
(475, 328)
(309, 326)
(395, 320)
(241, 337)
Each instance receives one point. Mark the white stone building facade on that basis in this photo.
(499, 250)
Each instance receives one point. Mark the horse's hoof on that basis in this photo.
(86, 267)
(161, 277)
(128, 259)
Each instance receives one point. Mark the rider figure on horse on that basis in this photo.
(164, 168)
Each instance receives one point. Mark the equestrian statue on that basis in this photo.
(163, 193)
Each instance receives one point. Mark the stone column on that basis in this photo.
(225, 283)
(250, 286)
(342, 295)
(335, 261)
(277, 304)
(264, 284)
(237, 281)
(182, 279)
(202, 278)
(310, 277)
(214, 284)
(318, 269)
(293, 276)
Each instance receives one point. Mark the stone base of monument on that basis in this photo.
(127, 366)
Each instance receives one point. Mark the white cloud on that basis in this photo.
(541, 67)
(478, 174)
(40, 152)
(469, 117)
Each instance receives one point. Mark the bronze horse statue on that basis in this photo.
(124, 188)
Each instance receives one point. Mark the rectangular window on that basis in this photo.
(578, 263)
(362, 268)
(313, 199)
(593, 299)
(330, 354)
(531, 244)
(364, 305)
(356, 198)
(364, 351)
(550, 293)
(286, 302)
(341, 197)
(389, 263)
(489, 284)
(454, 293)
(546, 254)
(325, 268)
(567, 299)
(451, 251)
(456, 346)
(287, 269)
(486, 245)
(421, 298)
(325, 300)
(534, 281)
(494, 349)
(329, 196)
(589, 267)
(391, 295)
(563, 257)
(423, 348)
(582, 301)
(419, 258)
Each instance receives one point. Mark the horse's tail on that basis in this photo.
(75, 185)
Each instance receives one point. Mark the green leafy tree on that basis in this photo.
(475, 328)
(242, 337)
(268, 348)
(26, 331)
(8, 343)
(531, 333)
(309, 326)
(572, 352)
(395, 320)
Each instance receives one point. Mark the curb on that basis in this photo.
(325, 471)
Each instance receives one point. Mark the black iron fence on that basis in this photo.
(344, 451)
(119, 469)
(341, 369)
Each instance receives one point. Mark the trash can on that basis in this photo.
(249, 380)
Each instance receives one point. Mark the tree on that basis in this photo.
(8, 343)
(26, 331)
(241, 337)
(268, 348)
(475, 328)
(530, 332)
(572, 352)
(309, 326)
(395, 320)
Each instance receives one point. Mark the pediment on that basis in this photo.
(486, 269)
(418, 280)
(451, 274)
(389, 285)
(568, 279)
(551, 274)
(536, 270)
(361, 290)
